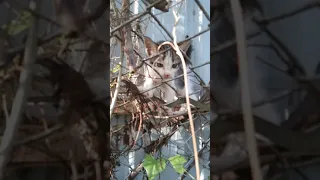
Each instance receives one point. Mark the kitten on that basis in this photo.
(163, 68)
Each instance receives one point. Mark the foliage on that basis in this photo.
(177, 163)
(18, 25)
(155, 166)
(116, 69)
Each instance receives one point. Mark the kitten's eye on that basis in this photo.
(174, 66)
(159, 65)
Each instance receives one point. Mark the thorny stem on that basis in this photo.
(245, 91)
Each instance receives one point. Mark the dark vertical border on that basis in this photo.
(108, 154)
(211, 96)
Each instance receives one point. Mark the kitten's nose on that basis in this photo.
(166, 76)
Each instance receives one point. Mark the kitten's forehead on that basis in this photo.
(169, 54)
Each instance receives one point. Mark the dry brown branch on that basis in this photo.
(245, 91)
(126, 36)
(194, 142)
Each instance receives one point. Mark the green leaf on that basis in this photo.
(18, 25)
(116, 69)
(153, 166)
(177, 163)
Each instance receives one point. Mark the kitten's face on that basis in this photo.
(166, 64)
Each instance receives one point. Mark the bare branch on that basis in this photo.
(22, 93)
(39, 136)
(194, 142)
(245, 91)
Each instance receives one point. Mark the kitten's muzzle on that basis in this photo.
(166, 76)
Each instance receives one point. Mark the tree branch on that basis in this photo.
(22, 93)
(245, 91)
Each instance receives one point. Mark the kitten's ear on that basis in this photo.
(185, 45)
(151, 47)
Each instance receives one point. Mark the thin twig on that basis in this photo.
(39, 136)
(245, 91)
(126, 36)
(116, 92)
(22, 93)
(194, 142)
